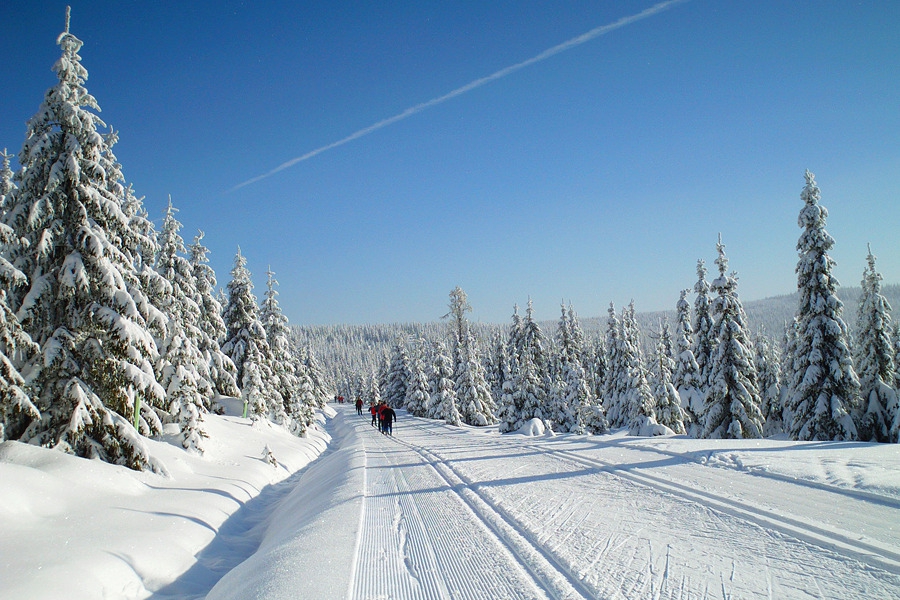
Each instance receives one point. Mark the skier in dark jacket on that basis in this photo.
(388, 416)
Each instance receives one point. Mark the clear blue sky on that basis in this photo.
(599, 174)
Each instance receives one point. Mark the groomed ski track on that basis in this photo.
(445, 512)
(463, 513)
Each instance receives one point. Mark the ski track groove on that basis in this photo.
(548, 575)
(867, 553)
(404, 548)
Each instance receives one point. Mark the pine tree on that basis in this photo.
(874, 359)
(16, 408)
(248, 348)
(508, 412)
(895, 424)
(686, 377)
(768, 370)
(443, 396)
(84, 305)
(731, 407)
(476, 406)
(531, 381)
(417, 396)
(824, 388)
(182, 370)
(6, 182)
(398, 374)
(298, 404)
(668, 402)
(222, 371)
(704, 335)
(613, 396)
(638, 402)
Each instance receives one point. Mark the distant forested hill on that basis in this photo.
(348, 350)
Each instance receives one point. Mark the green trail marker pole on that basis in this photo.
(137, 413)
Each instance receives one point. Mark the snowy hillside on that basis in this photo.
(439, 511)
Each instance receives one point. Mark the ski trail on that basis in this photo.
(419, 539)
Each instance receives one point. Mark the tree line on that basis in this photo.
(109, 329)
(708, 376)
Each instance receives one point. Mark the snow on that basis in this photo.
(463, 512)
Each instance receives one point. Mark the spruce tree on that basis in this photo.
(639, 405)
(248, 348)
(768, 369)
(222, 371)
(686, 377)
(294, 387)
(704, 336)
(895, 424)
(417, 396)
(508, 412)
(181, 369)
(824, 388)
(476, 406)
(613, 395)
(16, 348)
(398, 374)
(84, 304)
(668, 402)
(731, 406)
(443, 396)
(6, 181)
(874, 359)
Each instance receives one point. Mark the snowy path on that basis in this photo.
(589, 518)
(444, 512)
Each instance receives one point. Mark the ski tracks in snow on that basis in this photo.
(424, 536)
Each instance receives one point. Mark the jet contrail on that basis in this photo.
(576, 41)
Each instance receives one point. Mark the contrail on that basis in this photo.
(576, 41)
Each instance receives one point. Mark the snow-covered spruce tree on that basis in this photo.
(417, 396)
(788, 351)
(222, 371)
(614, 385)
(576, 408)
(476, 406)
(248, 348)
(298, 404)
(508, 412)
(16, 347)
(181, 368)
(596, 366)
(768, 371)
(823, 387)
(443, 396)
(399, 374)
(498, 374)
(704, 335)
(84, 304)
(639, 403)
(895, 424)
(561, 416)
(6, 181)
(323, 386)
(668, 402)
(531, 381)
(731, 407)
(875, 359)
(686, 377)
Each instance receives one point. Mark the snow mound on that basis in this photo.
(647, 427)
(533, 428)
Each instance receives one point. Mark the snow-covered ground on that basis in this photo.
(443, 512)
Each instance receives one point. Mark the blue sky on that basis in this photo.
(599, 174)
